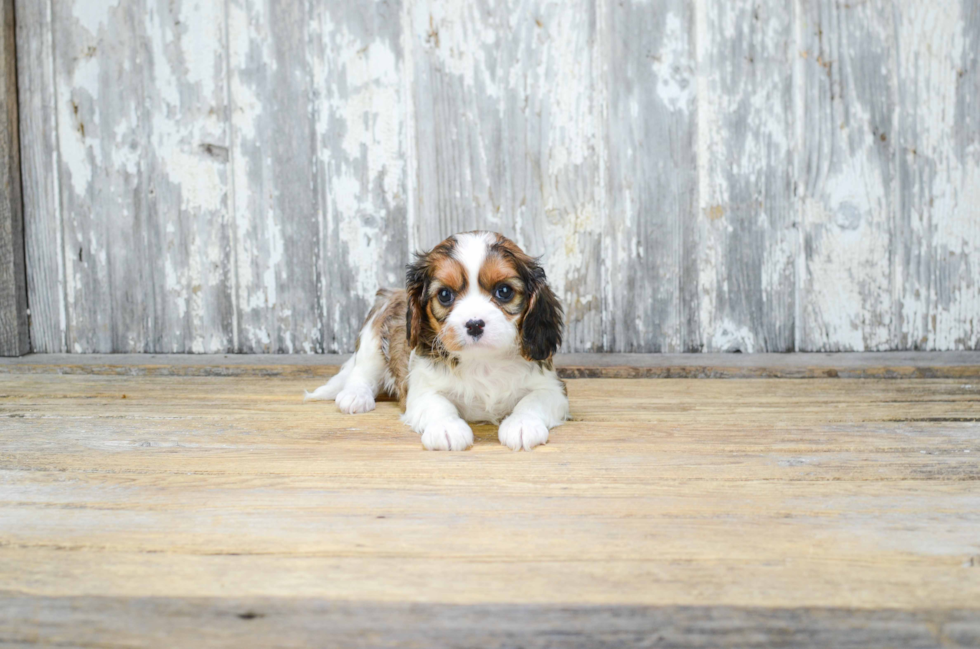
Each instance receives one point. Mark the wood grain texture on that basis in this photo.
(44, 247)
(306, 622)
(697, 176)
(274, 159)
(718, 498)
(747, 241)
(937, 152)
(650, 238)
(847, 174)
(890, 175)
(14, 334)
(140, 96)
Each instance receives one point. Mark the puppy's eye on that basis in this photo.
(445, 296)
(503, 292)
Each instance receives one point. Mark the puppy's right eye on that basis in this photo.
(445, 296)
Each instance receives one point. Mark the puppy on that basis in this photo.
(471, 338)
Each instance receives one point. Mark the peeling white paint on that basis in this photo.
(460, 37)
(93, 14)
(731, 337)
(941, 292)
(673, 66)
(77, 124)
(884, 254)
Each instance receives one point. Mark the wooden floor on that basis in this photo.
(196, 511)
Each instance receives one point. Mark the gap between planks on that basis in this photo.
(871, 365)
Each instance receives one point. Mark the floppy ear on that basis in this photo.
(542, 324)
(415, 282)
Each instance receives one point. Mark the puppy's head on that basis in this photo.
(478, 293)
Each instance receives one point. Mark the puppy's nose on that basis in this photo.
(475, 328)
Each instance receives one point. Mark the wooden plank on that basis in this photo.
(274, 159)
(937, 151)
(953, 365)
(45, 252)
(359, 102)
(506, 133)
(14, 334)
(650, 236)
(846, 175)
(685, 513)
(187, 176)
(747, 241)
(304, 622)
(141, 115)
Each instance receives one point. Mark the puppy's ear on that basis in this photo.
(542, 325)
(416, 280)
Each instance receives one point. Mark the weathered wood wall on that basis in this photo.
(717, 175)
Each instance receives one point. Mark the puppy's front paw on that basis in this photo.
(522, 432)
(447, 435)
(355, 400)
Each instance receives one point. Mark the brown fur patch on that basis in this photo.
(495, 270)
(422, 283)
(505, 244)
(541, 321)
(433, 271)
(447, 272)
(450, 341)
(499, 269)
(389, 326)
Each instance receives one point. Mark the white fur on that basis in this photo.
(528, 398)
(527, 426)
(517, 433)
(329, 390)
(359, 380)
(448, 433)
(491, 382)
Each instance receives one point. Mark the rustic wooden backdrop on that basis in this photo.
(717, 175)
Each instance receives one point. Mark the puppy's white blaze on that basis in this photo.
(498, 332)
(471, 251)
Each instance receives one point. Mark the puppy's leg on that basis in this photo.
(437, 419)
(365, 376)
(358, 382)
(527, 426)
(329, 390)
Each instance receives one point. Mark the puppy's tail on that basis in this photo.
(330, 390)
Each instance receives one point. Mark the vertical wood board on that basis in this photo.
(44, 249)
(747, 241)
(140, 105)
(649, 247)
(14, 336)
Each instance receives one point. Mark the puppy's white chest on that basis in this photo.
(489, 393)
(486, 390)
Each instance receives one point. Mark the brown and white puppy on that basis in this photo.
(470, 339)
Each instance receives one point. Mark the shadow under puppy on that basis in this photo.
(471, 338)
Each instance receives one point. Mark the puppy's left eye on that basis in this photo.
(503, 292)
(445, 296)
